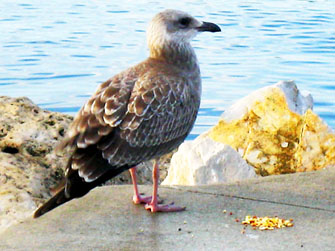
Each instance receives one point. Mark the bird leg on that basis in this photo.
(153, 205)
(137, 198)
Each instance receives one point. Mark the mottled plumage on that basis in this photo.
(139, 114)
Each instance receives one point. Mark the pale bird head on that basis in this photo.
(174, 26)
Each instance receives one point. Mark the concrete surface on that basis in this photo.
(106, 219)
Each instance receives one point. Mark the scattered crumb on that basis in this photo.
(266, 223)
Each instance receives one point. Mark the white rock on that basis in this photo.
(204, 161)
(296, 101)
(208, 160)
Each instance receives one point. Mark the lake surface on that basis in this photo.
(57, 52)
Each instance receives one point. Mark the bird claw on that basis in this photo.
(163, 208)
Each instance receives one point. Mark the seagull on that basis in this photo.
(139, 114)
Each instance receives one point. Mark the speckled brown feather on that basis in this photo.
(137, 115)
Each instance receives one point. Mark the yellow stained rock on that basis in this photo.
(316, 148)
(276, 140)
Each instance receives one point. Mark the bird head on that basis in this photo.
(175, 27)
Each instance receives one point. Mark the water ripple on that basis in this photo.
(82, 56)
(262, 42)
(51, 77)
(63, 109)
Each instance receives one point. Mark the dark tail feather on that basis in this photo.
(58, 199)
(75, 187)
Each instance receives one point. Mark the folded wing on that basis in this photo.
(130, 119)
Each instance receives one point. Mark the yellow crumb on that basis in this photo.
(266, 223)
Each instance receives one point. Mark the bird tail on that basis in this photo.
(58, 199)
(74, 186)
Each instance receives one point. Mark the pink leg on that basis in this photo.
(137, 198)
(153, 205)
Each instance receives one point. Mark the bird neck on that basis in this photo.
(181, 55)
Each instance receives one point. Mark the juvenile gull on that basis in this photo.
(137, 115)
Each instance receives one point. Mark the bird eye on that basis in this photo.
(185, 21)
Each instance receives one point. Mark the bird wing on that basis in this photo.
(160, 113)
(101, 114)
(98, 119)
(133, 117)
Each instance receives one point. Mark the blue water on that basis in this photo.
(57, 52)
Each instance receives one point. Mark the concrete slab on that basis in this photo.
(106, 219)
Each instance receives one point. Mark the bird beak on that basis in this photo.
(206, 26)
